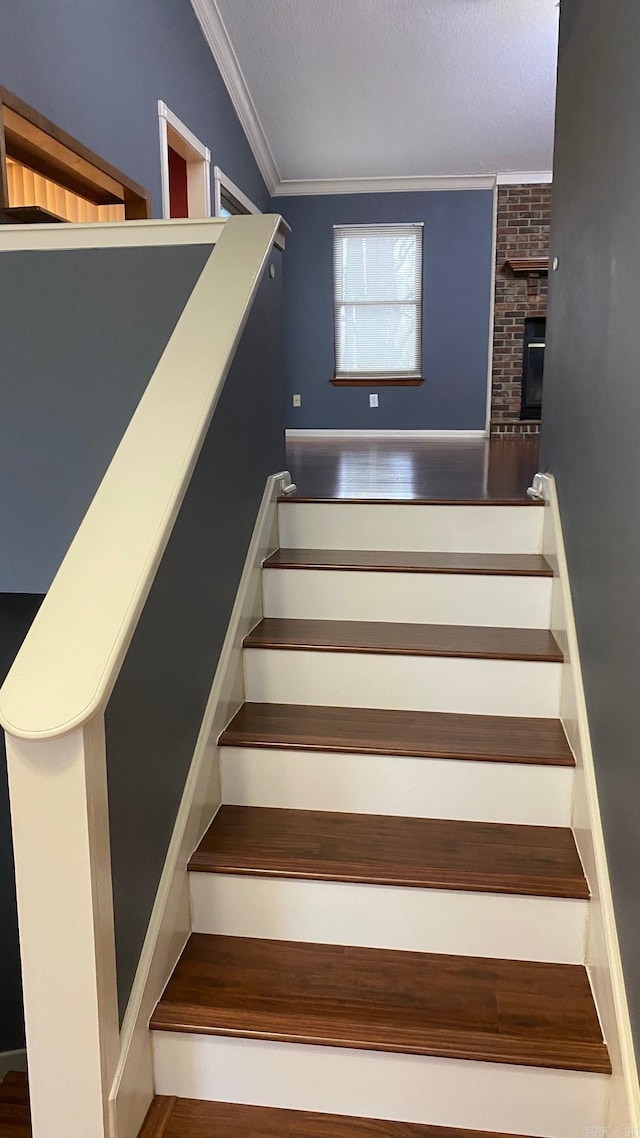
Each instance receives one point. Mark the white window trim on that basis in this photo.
(174, 133)
(389, 375)
(222, 184)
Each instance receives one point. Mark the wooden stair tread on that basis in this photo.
(15, 1115)
(398, 639)
(502, 1011)
(391, 499)
(428, 853)
(417, 734)
(384, 561)
(194, 1118)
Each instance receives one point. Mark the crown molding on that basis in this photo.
(217, 37)
(385, 185)
(524, 177)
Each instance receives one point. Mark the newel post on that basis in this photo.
(60, 823)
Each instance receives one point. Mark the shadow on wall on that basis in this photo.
(17, 611)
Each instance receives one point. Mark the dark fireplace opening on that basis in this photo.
(535, 328)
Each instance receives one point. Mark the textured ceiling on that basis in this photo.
(372, 88)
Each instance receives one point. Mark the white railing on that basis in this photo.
(53, 701)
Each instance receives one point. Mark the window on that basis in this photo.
(378, 301)
(228, 199)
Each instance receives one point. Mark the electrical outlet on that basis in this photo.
(297, 401)
(373, 400)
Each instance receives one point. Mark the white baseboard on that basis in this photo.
(312, 433)
(12, 1061)
(603, 960)
(170, 923)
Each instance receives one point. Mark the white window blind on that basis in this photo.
(378, 300)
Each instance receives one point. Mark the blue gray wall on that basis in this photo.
(458, 227)
(80, 335)
(97, 69)
(156, 709)
(591, 410)
(16, 614)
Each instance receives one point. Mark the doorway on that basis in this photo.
(185, 169)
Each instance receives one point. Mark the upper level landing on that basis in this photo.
(454, 470)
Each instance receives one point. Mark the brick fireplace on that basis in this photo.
(522, 250)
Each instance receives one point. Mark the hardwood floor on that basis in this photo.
(15, 1116)
(498, 1011)
(421, 734)
(462, 470)
(471, 642)
(429, 853)
(484, 564)
(192, 1118)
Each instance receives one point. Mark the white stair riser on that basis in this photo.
(497, 1097)
(377, 916)
(433, 529)
(517, 793)
(429, 598)
(407, 683)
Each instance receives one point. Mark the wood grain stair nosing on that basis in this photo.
(532, 566)
(480, 1047)
(514, 1012)
(413, 853)
(382, 733)
(237, 1120)
(301, 499)
(480, 642)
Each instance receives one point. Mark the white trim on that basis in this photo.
(418, 183)
(492, 308)
(603, 960)
(222, 182)
(391, 523)
(60, 825)
(12, 1061)
(524, 177)
(312, 433)
(174, 133)
(111, 234)
(454, 921)
(217, 37)
(170, 923)
(520, 794)
(119, 545)
(188, 137)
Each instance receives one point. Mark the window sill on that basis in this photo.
(364, 381)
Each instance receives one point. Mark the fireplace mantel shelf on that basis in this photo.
(528, 265)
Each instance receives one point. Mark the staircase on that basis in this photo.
(389, 910)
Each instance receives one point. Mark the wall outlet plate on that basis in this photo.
(297, 401)
(373, 400)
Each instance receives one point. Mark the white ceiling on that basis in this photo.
(396, 88)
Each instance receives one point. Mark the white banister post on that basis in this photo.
(60, 822)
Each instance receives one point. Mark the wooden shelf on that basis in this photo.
(528, 266)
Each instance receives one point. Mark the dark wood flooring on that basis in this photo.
(463, 470)
(429, 853)
(191, 1118)
(501, 1011)
(15, 1116)
(395, 638)
(483, 564)
(420, 734)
